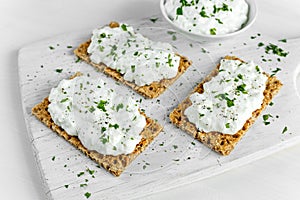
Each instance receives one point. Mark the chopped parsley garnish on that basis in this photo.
(114, 148)
(91, 172)
(153, 19)
(59, 70)
(119, 106)
(201, 115)
(170, 60)
(275, 50)
(64, 100)
(101, 48)
(53, 158)
(87, 195)
(80, 174)
(257, 68)
(223, 8)
(284, 130)
(175, 146)
(230, 102)
(92, 109)
(157, 64)
(266, 118)
(124, 27)
(51, 48)
(133, 68)
(83, 185)
(213, 31)
(227, 125)
(101, 105)
(275, 71)
(103, 129)
(260, 44)
(203, 13)
(179, 11)
(283, 40)
(104, 140)
(69, 46)
(114, 126)
(171, 32)
(241, 88)
(218, 20)
(103, 35)
(78, 60)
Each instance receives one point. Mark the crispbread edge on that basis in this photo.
(219, 142)
(113, 164)
(152, 90)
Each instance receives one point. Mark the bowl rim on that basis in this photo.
(250, 21)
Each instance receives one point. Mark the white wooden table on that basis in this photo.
(23, 22)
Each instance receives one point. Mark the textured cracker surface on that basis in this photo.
(114, 164)
(219, 142)
(151, 91)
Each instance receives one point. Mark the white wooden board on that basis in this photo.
(174, 158)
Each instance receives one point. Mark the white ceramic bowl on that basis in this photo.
(211, 38)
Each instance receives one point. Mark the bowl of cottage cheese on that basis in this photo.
(209, 20)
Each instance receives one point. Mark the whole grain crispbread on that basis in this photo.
(113, 164)
(219, 142)
(151, 91)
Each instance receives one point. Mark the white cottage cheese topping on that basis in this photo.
(137, 58)
(229, 98)
(102, 120)
(209, 17)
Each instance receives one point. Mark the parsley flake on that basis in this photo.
(179, 11)
(119, 106)
(284, 130)
(153, 20)
(59, 70)
(203, 13)
(114, 126)
(80, 174)
(283, 40)
(101, 105)
(227, 125)
(87, 195)
(213, 31)
(64, 100)
(275, 50)
(124, 27)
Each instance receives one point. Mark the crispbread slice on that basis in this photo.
(114, 164)
(219, 142)
(151, 91)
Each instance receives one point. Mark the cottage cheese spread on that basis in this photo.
(209, 17)
(102, 120)
(137, 58)
(229, 98)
